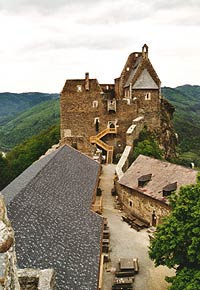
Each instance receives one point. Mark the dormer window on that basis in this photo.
(144, 179)
(79, 88)
(169, 188)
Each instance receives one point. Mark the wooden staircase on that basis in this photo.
(97, 140)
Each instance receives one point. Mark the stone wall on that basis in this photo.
(36, 279)
(78, 114)
(8, 268)
(141, 205)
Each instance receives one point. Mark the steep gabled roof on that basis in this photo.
(162, 174)
(145, 81)
(54, 226)
(139, 72)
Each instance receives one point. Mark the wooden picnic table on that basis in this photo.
(126, 264)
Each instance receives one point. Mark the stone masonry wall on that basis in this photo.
(8, 268)
(78, 112)
(141, 205)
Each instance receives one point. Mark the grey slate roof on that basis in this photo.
(145, 81)
(54, 226)
(23, 179)
(133, 71)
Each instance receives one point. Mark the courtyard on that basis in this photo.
(125, 242)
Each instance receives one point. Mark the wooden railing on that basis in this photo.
(97, 140)
(106, 131)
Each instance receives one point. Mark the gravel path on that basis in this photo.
(128, 243)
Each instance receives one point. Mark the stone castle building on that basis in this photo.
(101, 114)
(144, 188)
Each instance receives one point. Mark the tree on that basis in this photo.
(177, 240)
(148, 148)
(4, 171)
(24, 154)
(187, 279)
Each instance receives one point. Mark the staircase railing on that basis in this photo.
(97, 140)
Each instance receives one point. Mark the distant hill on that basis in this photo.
(11, 104)
(186, 100)
(28, 123)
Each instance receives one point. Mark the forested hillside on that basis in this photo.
(186, 100)
(24, 154)
(11, 104)
(29, 123)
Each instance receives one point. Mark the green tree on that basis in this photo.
(4, 171)
(148, 148)
(177, 239)
(24, 154)
(186, 279)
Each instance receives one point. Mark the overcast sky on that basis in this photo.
(45, 42)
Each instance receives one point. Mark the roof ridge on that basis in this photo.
(168, 162)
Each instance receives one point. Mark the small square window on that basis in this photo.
(79, 88)
(148, 97)
(95, 104)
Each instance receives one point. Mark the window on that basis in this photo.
(144, 179)
(169, 188)
(111, 124)
(95, 104)
(127, 68)
(148, 97)
(96, 123)
(111, 105)
(79, 88)
(96, 119)
(107, 87)
(130, 203)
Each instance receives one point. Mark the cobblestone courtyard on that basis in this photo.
(126, 242)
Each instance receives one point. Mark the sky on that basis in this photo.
(45, 42)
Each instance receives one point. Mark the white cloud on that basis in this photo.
(45, 42)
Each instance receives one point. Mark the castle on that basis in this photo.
(101, 114)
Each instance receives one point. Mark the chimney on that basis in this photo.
(145, 51)
(87, 83)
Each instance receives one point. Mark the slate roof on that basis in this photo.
(54, 226)
(134, 69)
(141, 74)
(163, 174)
(145, 81)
